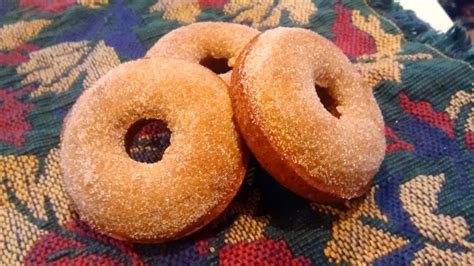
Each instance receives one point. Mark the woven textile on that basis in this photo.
(420, 209)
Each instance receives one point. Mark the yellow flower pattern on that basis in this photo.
(431, 255)
(354, 241)
(15, 34)
(459, 100)
(57, 67)
(17, 236)
(419, 196)
(261, 13)
(247, 227)
(420, 199)
(385, 64)
(93, 3)
(21, 175)
(367, 230)
(33, 191)
(184, 12)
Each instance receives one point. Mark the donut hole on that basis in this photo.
(216, 65)
(327, 100)
(147, 140)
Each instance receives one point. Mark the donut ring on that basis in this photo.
(215, 45)
(198, 175)
(321, 153)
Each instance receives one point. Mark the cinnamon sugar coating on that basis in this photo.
(199, 41)
(198, 175)
(324, 144)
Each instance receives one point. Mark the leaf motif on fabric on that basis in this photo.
(77, 244)
(351, 40)
(47, 5)
(17, 55)
(17, 236)
(387, 44)
(261, 252)
(20, 172)
(352, 237)
(431, 255)
(185, 11)
(247, 227)
(424, 111)
(36, 222)
(93, 3)
(57, 67)
(14, 35)
(420, 199)
(459, 100)
(469, 126)
(13, 116)
(263, 13)
(394, 143)
(60, 6)
(50, 185)
(213, 3)
(385, 64)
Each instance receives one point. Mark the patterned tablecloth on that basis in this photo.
(420, 210)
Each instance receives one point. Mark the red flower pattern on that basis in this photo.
(48, 5)
(261, 252)
(60, 250)
(213, 3)
(352, 41)
(17, 55)
(425, 112)
(395, 143)
(469, 139)
(13, 122)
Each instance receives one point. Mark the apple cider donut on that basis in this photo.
(214, 45)
(307, 116)
(199, 172)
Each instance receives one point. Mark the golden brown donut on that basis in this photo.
(306, 114)
(198, 175)
(215, 45)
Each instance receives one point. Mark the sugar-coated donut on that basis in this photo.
(198, 175)
(215, 45)
(307, 116)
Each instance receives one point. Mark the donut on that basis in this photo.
(201, 168)
(306, 114)
(214, 45)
